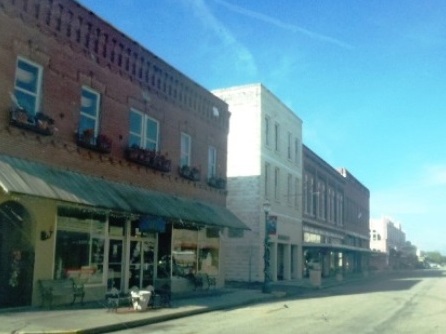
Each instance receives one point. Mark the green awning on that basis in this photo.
(31, 178)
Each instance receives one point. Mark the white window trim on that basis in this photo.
(98, 101)
(277, 184)
(37, 94)
(212, 161)
(267, 131)
(143, 128)
(187, 154)
(267, 177)
(296, 151)
(277, 137)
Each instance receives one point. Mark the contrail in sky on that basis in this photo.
(282, 25)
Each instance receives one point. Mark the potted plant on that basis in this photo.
(190, 173)
(20, 115)
(88, 136)
(149, 158)
(44, 122)
(104, 143)
(39, 123)
(217, 182)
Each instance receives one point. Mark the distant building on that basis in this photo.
(264, 164)
(387, 241)
(335, 218)
(386, 235)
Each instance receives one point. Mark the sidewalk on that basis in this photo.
(96, 318)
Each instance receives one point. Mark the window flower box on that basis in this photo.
(149, 158)
(38, 123)
(88, 140)
(217, 182)
(189, 173)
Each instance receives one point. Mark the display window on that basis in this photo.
(195, 250)
(80, 245)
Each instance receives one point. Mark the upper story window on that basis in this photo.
(289, 146)
(144, 131)
(276, 136)
(289, 188)
(186, 145)
(267, 131)
(297, 190)
(277, 184)
(296, 151)
(27, 85)
(212, 161)
(89, 117)
(267, 173)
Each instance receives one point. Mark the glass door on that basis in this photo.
(115, 264)
(141, 264)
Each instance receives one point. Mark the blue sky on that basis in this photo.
(368, 79)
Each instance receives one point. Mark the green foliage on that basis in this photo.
(435, 257)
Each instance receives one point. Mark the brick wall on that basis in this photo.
(76, 48)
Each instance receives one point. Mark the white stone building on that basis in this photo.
(386, 235)
(264, 165)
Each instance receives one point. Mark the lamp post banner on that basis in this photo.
(272, 225)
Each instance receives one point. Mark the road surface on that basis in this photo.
(411, 303)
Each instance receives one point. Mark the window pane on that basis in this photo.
(80, 245)
(135, 129)
(27, 76)
(134, 140)
(151, 134)
(184, 253)
(86, 123)
(185, 150)
(135, 123)
(212, 162)
(26, 101)
(89, 111)
(89, 103)
(152, 130)
(150, 145)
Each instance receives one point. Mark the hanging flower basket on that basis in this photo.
(149, 158)
(38, 123)
(217, 182)
(87, 139)
(190, 173)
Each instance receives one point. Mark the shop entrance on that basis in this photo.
(115, 264)
(16, 255)
(141, 264)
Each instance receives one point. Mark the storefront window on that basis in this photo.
(195, 251)
(184, 252)
(80, 242)
(209, 246)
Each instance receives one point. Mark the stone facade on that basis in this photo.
(264, 164)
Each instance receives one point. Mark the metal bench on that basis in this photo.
(50, 288)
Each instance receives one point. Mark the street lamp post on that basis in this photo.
(266, 281)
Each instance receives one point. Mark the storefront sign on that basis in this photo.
(152, 224)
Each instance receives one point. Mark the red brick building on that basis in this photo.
(112, 162)
(335, 218)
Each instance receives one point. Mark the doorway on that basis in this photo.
(16, 255)
(115, 264)
(141, 264)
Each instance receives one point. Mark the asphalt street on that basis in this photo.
(411, 303)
